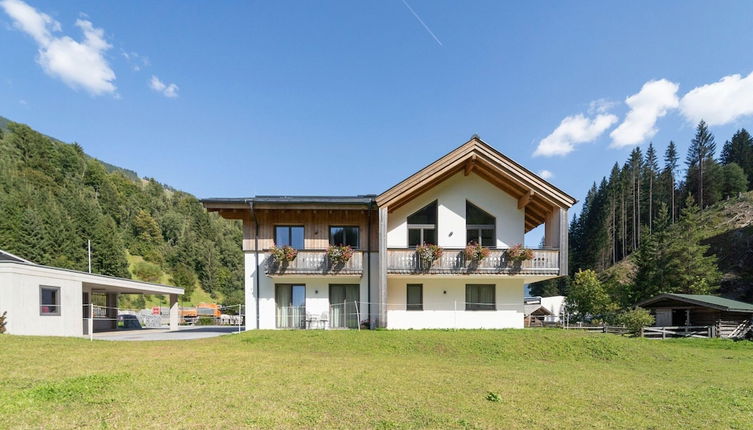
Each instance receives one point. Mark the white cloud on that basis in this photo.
(601, 106)
(546, 174)
(135, 60)
(168, 90)
(78, 64)
(572, 131)
(652, 102)
(719, 103)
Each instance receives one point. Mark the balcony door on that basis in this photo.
(290, 300)
(343, 308)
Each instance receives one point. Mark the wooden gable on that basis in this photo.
(535, 195)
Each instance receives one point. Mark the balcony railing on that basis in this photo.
(454, 261)
(314, 262)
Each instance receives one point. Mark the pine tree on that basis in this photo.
(651, 261)
(108, 252)
(687, 268)
(651, 170)
(739, 150)
(699, 160)
(671, 160)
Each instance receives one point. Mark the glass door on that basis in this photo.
(343, 307)
(291, 306)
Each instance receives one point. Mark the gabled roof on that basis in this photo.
(530, 309)
(714, 302)
(537, 196)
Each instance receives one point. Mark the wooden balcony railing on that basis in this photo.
(314, 262)
(454, 261)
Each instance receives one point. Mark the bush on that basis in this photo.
(147, 271)
(205, 321)
(635, 319)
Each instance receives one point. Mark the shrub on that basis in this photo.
(205, 321)
(518, 253)
(476, 252)
(147, 271)
(339, 254)
(635, 319)
(283, 254)
(429, 253)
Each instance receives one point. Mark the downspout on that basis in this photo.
(368, 263)
(256, 258)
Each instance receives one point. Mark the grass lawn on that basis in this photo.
(543, 378)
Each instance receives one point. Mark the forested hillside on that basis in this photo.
(649, 229)
(53, 198)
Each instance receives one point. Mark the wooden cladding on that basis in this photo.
(316, 224)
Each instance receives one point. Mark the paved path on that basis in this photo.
(183, 333)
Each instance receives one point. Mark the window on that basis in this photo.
(343, 306)
(343, 235)
(422, 226)
(479, 297)
(479, 226)
(415, 299)
(289, 235)
(291, 306)
(49, 300)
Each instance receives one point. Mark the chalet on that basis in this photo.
(474, 194)
(729, 318)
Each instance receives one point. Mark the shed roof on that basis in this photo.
(7, 256)
(120, 284)
(710, 301)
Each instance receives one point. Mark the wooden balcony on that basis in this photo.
(454, 261)
(314, 262)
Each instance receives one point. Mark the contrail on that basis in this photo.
(422, 22)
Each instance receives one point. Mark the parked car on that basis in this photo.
(128, 322)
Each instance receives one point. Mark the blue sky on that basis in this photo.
(243, 98)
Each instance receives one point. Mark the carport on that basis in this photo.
(100, 301)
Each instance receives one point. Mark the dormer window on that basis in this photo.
(422, 226)
(479, 226)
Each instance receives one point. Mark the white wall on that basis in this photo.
(249, 281)
(452, 195)
(444, 304)
(317, 291)
(19, 296)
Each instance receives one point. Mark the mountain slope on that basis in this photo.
(54, 197)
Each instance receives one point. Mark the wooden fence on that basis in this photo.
(699, 331)
(600, 329)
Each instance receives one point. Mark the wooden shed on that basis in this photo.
(730, 318)
(535, 315)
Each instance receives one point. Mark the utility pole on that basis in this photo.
(89, 252)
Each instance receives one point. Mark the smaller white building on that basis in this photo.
(50, 301)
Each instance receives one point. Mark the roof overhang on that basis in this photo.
(102, 282)
(229, 206)
(692, 301)
(535, 195)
